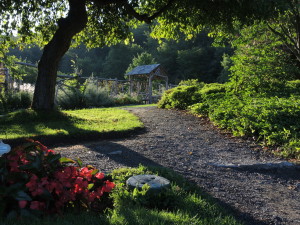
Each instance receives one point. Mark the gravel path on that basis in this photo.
(259, 188)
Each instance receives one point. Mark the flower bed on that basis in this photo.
(35, 180)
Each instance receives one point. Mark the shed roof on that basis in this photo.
(144, 69)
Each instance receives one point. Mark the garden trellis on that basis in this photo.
(6, 81)
(142, 80)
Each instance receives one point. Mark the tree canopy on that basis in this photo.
(57, 24)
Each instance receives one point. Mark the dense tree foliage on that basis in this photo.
(144, 58)
(181, 59)
(99, 22)
(260, 64)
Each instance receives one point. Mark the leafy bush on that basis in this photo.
(71, 98)
(36, 180)
(180, 97)
(273, 121)
(96, 96)
(11, 101)
(93, 96)
(126, 99)
(191, 82)
(260, 66)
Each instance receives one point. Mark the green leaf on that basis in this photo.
(36, 164)
(66, 160)
(79, 162)
(90, 186)
(95, 171)
(53, 158)
(21, 195)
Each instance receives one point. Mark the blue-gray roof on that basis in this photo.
(144, 69)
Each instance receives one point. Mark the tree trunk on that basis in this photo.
(68, 27)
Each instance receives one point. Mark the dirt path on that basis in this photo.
(259, 188)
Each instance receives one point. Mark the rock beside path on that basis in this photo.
(259, 188)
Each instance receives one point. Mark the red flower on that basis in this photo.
(67, 175)
(86, 173)
(108, 186)
(31, 185)
(99, 176)
(22, 204)
(36, 205)
(50, 151)
(54, 185)
(80, 185)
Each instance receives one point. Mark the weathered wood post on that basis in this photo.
(150, 89)
(167, 83)
(130, 85)
(116, 86)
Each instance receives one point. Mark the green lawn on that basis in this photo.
(68, 123)
(184, 203)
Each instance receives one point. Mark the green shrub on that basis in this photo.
(97, 97)
(92, 96)
(180, 97)
(191, 82)
(273, 121)
(71, 98)
(126, 99)
(212, 88)
(11, 101)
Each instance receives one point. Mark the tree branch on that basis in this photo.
(131, 11)
(144, 17)
(294, 50)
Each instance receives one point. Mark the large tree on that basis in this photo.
(99, 22)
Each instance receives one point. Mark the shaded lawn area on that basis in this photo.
(68, 124)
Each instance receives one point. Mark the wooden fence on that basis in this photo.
(113, 86)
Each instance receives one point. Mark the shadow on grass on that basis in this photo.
(130, 158)
(60, 122)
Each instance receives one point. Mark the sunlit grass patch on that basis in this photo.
(29, 123)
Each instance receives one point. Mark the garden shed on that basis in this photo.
(146, 81)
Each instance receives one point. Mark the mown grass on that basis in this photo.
(186, 204)
(67, 123)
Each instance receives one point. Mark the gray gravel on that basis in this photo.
(259, 188)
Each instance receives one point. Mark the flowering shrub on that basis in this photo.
(36, 180)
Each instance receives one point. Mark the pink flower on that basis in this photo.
(22, 204)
